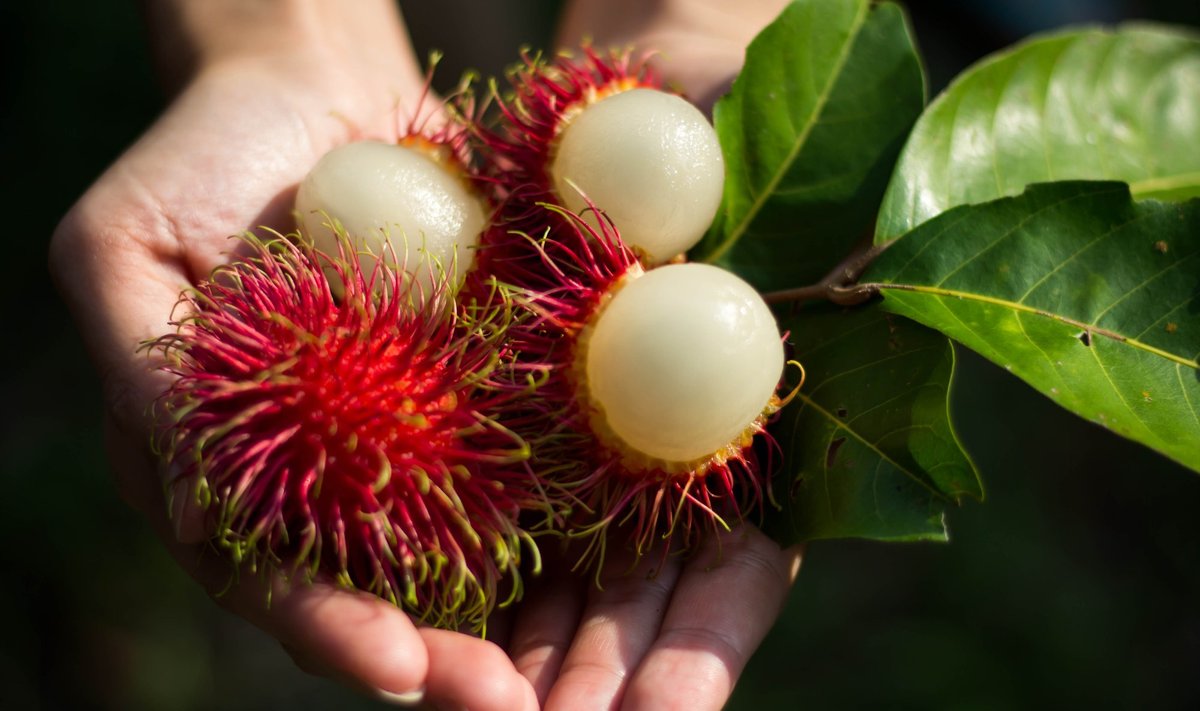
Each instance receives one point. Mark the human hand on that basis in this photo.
(264, 90)
(259, 104)
(670, 633)
(700, 44)
(679, 635)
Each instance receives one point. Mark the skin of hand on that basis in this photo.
(263, 90)
(700, 44)
(677, 637)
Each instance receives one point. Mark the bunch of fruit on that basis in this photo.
(483, 333)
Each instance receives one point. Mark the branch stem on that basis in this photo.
(838, 285)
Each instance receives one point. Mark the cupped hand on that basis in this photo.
(259, 103)
(674, 633)
(265, 98)
(662, 632)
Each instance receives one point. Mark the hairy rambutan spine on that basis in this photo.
(352, 439)
(514, 149)
(616, 490)
(542, 98)
(414, 194)
(598, 130)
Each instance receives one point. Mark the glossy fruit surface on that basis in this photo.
(651, 161)
(379, 192)
(682, 361)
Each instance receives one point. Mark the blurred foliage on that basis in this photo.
(1076, 583)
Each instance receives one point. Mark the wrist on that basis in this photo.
(189, 36)
(700, 43)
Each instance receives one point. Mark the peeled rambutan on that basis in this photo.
(413, 199)
(351, 439)
(658, 383)
(599, 130)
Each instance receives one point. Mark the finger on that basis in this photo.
(546, 624)
(470, 673)
(699, 46)
(346, 635)
(355, 638)
(352, 637)
(414, 699)
(727, 599)
(618, 625)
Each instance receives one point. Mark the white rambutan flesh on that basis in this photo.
(381, 192)
(682, 362)
(651, 161)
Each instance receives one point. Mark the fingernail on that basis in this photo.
(407, 698)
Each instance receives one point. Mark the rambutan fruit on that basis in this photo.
(413, 199)
(658, 383)
(351, 439)
(600, 131)
(679, 365)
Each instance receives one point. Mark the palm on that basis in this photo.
(225, 158)
(239, 141)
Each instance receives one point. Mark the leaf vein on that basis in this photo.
(889, 400)
(1147, 280)
(1004, 303)
(1151, 434)
(1050, 361)
(928, 243)
(840, 374)
(855, 434)
(1015, 229)
(1063, 263)
(1186, 398)
(905, 428)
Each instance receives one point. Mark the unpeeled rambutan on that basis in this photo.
(351, 439)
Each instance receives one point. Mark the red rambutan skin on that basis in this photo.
(544, 96)
(517, 148)
(351, 440)
(561, 271)
(614, 489)
(442, 129)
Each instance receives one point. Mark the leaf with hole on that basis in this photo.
(868, 447)
(1079, 105)
(1090, 297)
(810, 132)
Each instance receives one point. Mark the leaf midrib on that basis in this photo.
(798, 145)
(1164, 182)
(1024, 308)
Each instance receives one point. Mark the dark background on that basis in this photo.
(1076, 584)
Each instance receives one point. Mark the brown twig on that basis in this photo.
(838, 285)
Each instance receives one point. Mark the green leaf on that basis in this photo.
(810, 132)
(1080, 105)
(868, 448)
(1088, 296)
